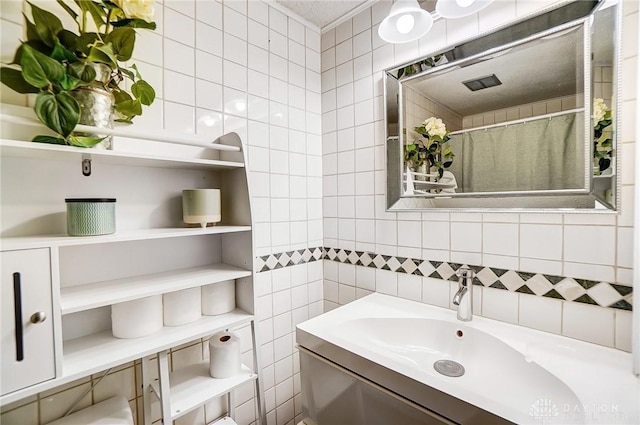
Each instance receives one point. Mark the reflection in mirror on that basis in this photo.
(510, 126)
(604, 99)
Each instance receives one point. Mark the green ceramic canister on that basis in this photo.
(91, 216)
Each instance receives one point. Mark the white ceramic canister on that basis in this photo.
(137, 318)
(91, 216)
(219, 298)
(201, 206)
(181, 307)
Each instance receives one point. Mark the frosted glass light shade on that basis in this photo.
(406, 22)
(452, 9)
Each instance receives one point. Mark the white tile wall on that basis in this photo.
(241, 66)
(246, 66)
(589, 246)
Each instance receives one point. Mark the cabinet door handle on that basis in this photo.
(17, 308)
(38, 317)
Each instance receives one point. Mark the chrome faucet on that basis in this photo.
(464, 297)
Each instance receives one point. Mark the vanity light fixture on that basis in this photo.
(452, 9)
(406, 22)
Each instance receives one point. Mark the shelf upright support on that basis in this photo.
(231, 404)
(262, 412)
(165, 388)
(146, 389)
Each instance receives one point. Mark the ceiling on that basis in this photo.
(325, 13)
(322, 13)
(538, 70)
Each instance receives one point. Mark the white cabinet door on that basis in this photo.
(27, 322)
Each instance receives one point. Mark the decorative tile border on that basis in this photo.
(289, 258)
(604, 294)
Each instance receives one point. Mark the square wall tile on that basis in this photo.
(387, 282)
(179, 88)
(208, 39)
(386, 232)
(624, 326)
(208, 67)
(540, 313)
(588, 323)
(344, 31)
(235, 23)
(209, 12)
(346, 294)
(180, 27)
(500, 305)
(362, 21)
(313, 39)
(362, 43)
(541, 241)
(179, 117)
(435, 292)
(278, 21)
(590, 244)
(466, 236)
(11, 11)
(409, 233)
(258, 35)
(208, 95)
(235, 49)
(500, 238)
(344, 52)
(410, 287)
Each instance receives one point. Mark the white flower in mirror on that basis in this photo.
(434, 126)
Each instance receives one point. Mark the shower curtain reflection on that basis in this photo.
(541, 154)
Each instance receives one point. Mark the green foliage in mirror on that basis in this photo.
(602, 137)
(433, 150)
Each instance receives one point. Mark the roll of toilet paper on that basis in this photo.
(219, 298)
(181, 307)
(137, 318)
(224, 355)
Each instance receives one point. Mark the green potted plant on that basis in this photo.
(433, 150)
(602, 141)
(85, 67)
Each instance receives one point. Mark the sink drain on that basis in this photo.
(449, 368)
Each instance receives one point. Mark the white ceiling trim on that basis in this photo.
(353, 12)
(290, 13)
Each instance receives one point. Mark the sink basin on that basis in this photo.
(494, 372)
(511, 372)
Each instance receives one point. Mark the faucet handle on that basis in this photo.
(465, 272)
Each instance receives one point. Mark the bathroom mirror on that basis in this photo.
(529, 113)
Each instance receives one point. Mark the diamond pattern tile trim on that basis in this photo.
(604, 294)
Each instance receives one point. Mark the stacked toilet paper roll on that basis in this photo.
(224, 355)
(137, 318)
(181, 307)
(219, 298)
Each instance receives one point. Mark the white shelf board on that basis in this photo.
(94, 353)
(85, 297)
(25, 149)
(192, 386)
(29, 242)
(224, 421)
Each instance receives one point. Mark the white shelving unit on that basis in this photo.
(130, 264)
(90, 354)
(18, 148)
(85, 297)
(192, 386)
(50, 241)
